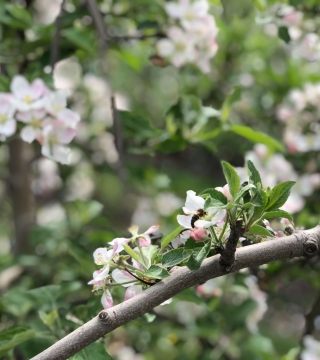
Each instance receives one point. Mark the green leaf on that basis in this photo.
(156, 272)
(167, 240)
(198, 255)
(276, 213)
(243, 191)
(216, 204)
(260, 230)
(257, 199)
(215, 194)
(283, 34)
(254, 174)
(81, 38)
(257, 136)
(175, 257)
(260, 4)
(131, 252)
(175, 144)
(20, 14)
(46, 294)
(48, 318)
(13, 336)
(233, 179)
(232, 98)
(279, 195)
(4, 83)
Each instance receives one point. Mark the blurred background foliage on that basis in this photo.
(147, 135)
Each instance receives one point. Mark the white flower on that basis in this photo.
(54, 138)
(34, 119)
(56, 103)
(192, 205)
(178, 47)
(27, 96)
(312, 348)
(187, 12)
(7, 122)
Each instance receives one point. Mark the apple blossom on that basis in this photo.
(7, 122)
(27, 96)
(198, 234)
(34, 120)
(55, 136)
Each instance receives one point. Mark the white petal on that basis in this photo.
(166, 302)
(173, 9)
(24, 116)
(19, 85)
(8, 128)
(101, 256)
(103, 274)
(118, 244)
(132, 291)
(106, 300)
(165, 47)
(194, 202)
(121, 276)
(152, 229)
(68, 116)
(58, 153)
(184, 220)
(28, 134)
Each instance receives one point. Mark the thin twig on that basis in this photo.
(99, 24)
(299, 244)
(55, 44)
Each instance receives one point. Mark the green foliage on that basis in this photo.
(175, 257)
(156, 272)
(260, 230)
(232, 178)
(13, 336)
(198, 255)
(167, 240)
(279, 195)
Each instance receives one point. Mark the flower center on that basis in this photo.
(3, 118)
(36, 123)
(28, 99)
(189, 15)
(180, 46)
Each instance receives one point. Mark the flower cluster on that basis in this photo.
(194, 40)
(274, 168)
(44, 114)
(304, 38)
(208, 222)
(300, 115)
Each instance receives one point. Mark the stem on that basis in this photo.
(213, 234)
(224, 229)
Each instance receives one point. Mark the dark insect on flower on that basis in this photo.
(199, 213)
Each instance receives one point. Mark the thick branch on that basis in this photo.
(55, 44)
(23, 203)
(181, 279)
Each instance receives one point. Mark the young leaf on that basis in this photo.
(198, 255)
(175, 257)
(276, 213)
(260, 230)
(257, 136)
(232, 177)
(279, 195)
(232, 98)
(254, 175)
(167, 240)
(243, 191)
(215, 204)
(215, 194)
(156, 272)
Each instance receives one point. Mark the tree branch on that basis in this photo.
(181, 278)
(55, 44)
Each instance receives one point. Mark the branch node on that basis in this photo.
(104, 317)
(310, 246)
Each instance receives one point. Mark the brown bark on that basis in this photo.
(22, 199)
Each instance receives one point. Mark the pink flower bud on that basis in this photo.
(198, 234)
